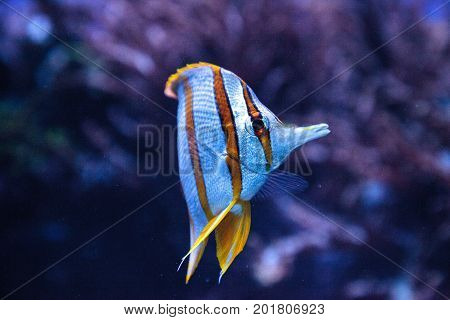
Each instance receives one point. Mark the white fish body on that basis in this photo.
(228, 143)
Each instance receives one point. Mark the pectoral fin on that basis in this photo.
(212, 224)
(231, 236)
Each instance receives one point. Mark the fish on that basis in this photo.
(228, 144)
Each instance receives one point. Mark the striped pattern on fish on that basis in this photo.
(228, 143)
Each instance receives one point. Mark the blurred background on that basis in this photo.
(68, 160)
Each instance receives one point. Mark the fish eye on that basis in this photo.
(258, 124)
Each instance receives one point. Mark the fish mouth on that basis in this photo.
(318, 130)
(306, 134)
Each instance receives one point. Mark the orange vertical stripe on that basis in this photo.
(263, 134)
(229, 129)
(193, 149)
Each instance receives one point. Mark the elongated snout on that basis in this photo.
(287, 138)
(306, 134)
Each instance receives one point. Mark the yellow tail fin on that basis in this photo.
(212, 224)
(231, 236)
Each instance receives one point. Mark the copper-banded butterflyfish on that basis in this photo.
(228, 144)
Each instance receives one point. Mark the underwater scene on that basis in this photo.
(309, 141)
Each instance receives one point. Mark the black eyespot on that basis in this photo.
(257, 124)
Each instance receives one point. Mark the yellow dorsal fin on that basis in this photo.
(170, 89)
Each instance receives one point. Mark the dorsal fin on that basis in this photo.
(170, 89)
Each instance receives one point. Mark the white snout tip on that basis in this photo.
(318, 130)
(306, 134)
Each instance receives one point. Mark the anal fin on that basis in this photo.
(212, 224)
(231, 236)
